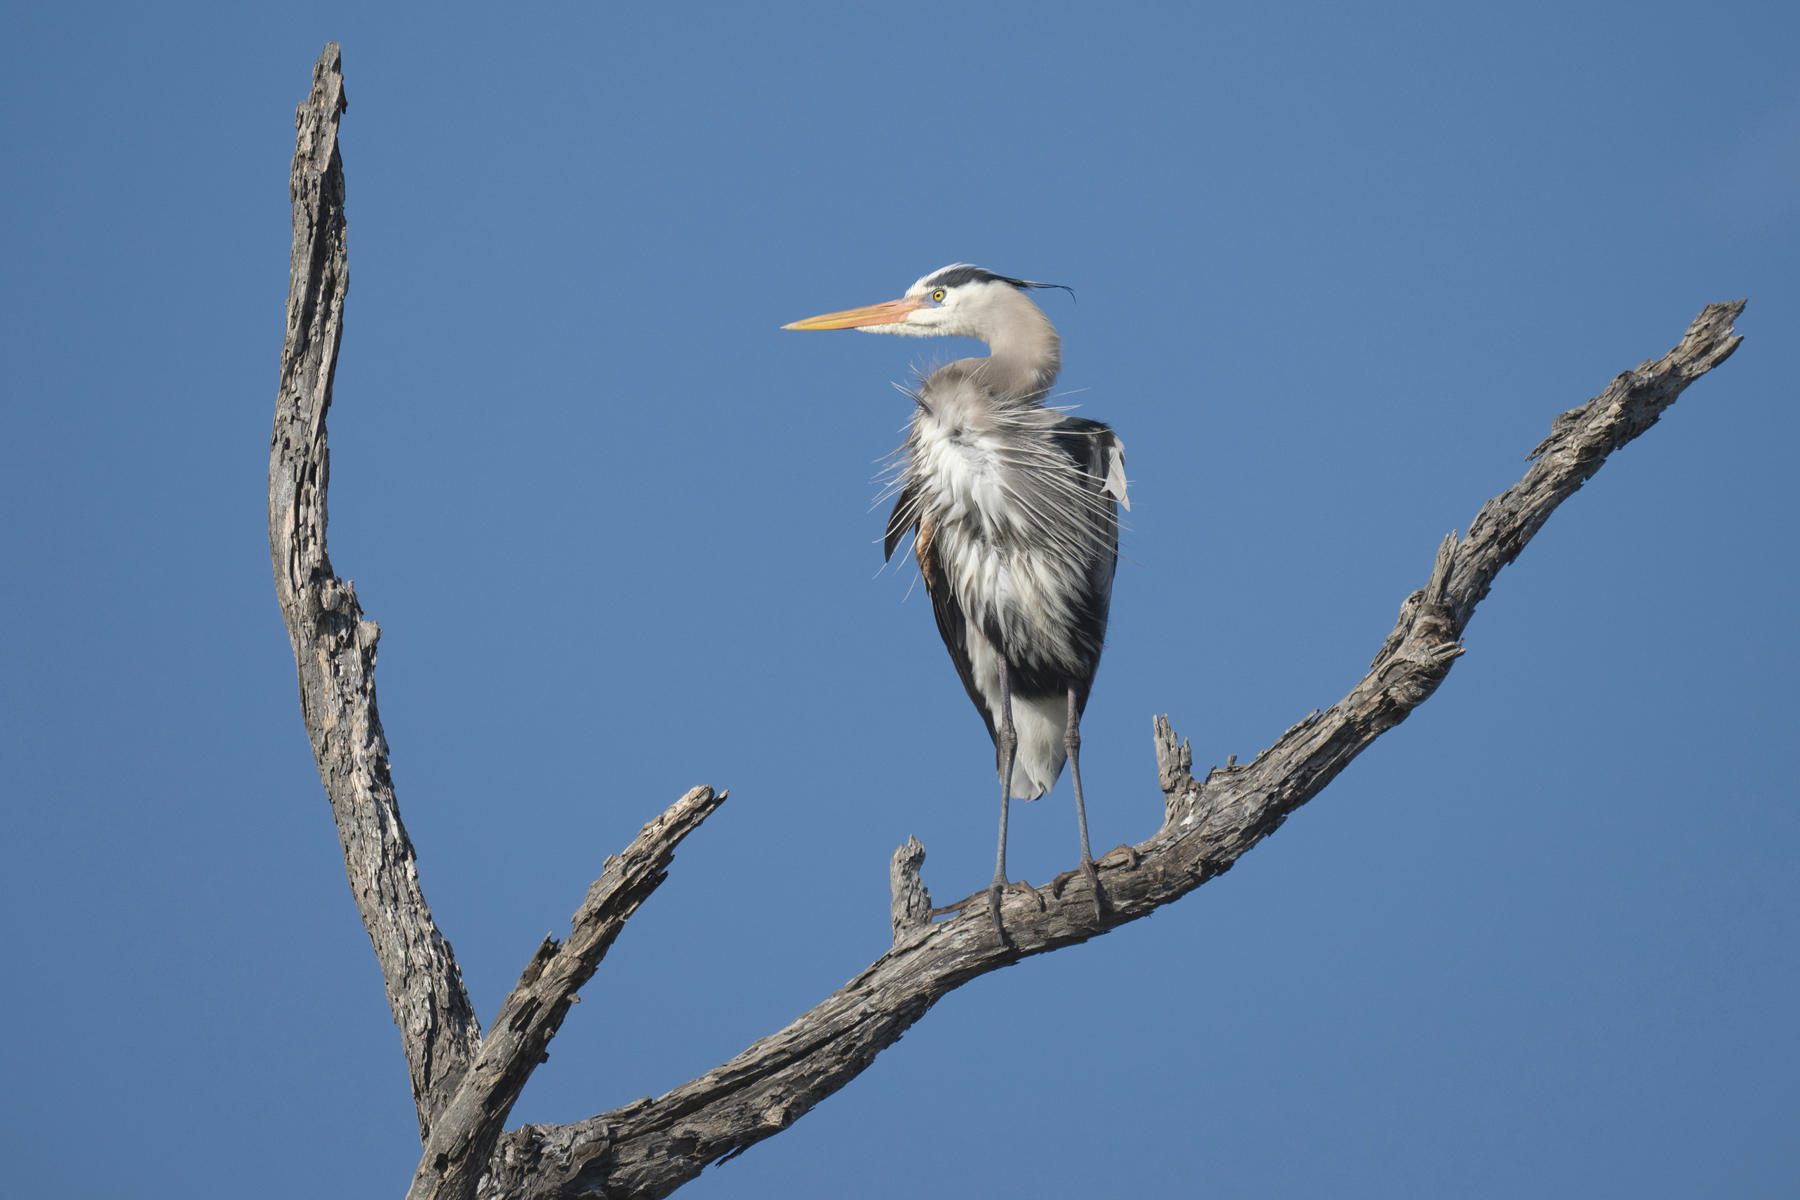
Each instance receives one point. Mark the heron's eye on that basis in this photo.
(938, 295)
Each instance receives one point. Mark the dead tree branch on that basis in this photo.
(464, 1086)
(334, 647)
(460, 1111)
(651, 1147)
(456, 1152)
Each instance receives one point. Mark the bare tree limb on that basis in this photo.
(650, 1147)
(460, 1110)
(462, 1138)
(334, 647)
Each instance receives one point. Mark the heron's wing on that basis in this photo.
(952, 625)
(1080, 438)
(1097, 453)
(904, 517)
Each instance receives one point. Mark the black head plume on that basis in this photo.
(962, 273)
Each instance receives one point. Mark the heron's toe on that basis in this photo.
(1031, 893)
(1131, 855)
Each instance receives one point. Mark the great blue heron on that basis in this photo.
(1014, 508)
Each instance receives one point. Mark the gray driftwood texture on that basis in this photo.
(465, 1085)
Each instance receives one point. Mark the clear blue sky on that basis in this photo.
(1338, 267)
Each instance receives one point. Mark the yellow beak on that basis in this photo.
(885, 313)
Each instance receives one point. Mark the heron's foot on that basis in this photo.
(1131, 855)
(994, 912)
(1093, 878)
(1030, 892)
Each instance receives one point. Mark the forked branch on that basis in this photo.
(464, 1086)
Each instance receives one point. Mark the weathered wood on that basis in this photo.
(334, 650)
(460, 1110)
(911, 907)
(650, 1147)
(462, 1137)
(334, 647)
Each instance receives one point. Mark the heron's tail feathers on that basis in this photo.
(1039, 724)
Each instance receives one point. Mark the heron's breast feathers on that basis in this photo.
(1014, 528)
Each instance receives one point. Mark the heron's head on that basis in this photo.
(954, 301)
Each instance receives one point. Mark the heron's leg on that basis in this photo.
(1072, 745)
(1006, 741)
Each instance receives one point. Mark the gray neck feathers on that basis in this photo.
(1025, 355)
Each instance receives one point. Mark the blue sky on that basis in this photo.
(1338, 267)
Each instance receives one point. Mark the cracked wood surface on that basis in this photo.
(334, 647)
(651, 1147)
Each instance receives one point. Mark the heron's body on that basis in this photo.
(1014, 507)
(1012, 565)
